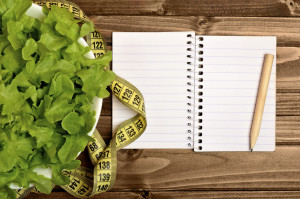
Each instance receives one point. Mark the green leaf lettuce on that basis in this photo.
(47, 86)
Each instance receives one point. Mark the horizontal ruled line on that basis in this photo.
(204, 128)
(155, 46)
(166, 93)
(206, 120)
(141, 62)
(135, 77)
(234, 112)
(239, 48)
(203, 104)
(158, 101)
(203, 89)
(220, 80)
(257, 73)
(188, 45)
(184, 77)
(156, 54)
(244, 57)
(162, 125)
(207, 135)
(226, 143)
(204, 64)
(186, 110)
(187, 72)
(184, 62)
(214, 96)
(161, 141)
(204, 56)
(269, 89)
(217, 64)
(154, 109)
(154, 117)
(170, 133)
(170, 70)
(202, 144)
(187, 86)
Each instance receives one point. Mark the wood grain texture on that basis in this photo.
(191, 7)
(286, 29)
(288, 130)
(186, 170)
(287, 104)
(225, 194)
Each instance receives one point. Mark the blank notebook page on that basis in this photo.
(232, 68)
(156, 64)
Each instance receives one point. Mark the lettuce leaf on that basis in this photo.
(46, 91)
(58, 177)
(73, 123)
(7, 193)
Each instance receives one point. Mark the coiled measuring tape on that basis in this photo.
(85, 182)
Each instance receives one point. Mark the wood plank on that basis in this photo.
(190, 7)
(104, 126)
(287, 104)
(107, 106)
(286, 29)
(287, 130)
(185, 170)
(225, 194)
(288, 70)
(162, 170)
(106, 195)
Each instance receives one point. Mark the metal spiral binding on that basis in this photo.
(190, 90)
(200, 93)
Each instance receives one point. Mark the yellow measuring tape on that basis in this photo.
(85, 182)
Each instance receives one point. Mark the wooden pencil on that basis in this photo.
(261, 98)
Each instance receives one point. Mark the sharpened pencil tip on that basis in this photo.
(251, 150)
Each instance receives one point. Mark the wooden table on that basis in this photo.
(183, 173)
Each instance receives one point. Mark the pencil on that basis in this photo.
(261, 99)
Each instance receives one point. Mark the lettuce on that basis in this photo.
(46, 92)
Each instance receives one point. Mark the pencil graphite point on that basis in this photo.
(251, 150)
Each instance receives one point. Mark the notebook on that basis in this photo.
(200, 91)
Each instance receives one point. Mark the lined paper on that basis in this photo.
(156, 63)
(231, 72)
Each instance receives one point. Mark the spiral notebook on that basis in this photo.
(199, 91)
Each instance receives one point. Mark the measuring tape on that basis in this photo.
(85, 182)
